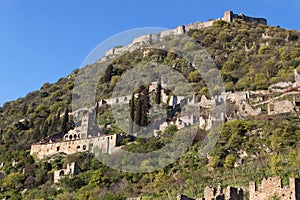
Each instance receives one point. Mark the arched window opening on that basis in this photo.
(62, 173)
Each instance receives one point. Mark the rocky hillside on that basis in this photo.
(250, 57)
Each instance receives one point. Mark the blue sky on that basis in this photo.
(44, 40)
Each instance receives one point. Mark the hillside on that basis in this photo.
(250, 56)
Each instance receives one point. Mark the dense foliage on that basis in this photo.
(250, 56)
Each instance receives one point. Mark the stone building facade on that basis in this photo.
(272, 188)
(230, 193)
(83, 138)
(279, 107)
(106, 144)
(71, 170)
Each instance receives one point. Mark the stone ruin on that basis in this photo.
(84, 137)
(229, 16)
(71, 170)
(230, 193)
(280, 107)
(138, 42)
(272, 188)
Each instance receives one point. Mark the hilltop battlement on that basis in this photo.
(228, 16)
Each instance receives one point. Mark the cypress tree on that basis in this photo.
(158, 92)
(108, 73)
(145, 106)
(64, 123)
(138, 114)
(131, 114)
(44, 129)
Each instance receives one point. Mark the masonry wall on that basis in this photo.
(105, 143)
(278, 107)
(272, 187)
(230, 193)
(72, 170)
(229, 16)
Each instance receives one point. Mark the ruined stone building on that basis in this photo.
(85, 137)
(71, 170)
(210, 193)
(230, 193)
(279, 107)
(229, 16)
(272, 188)
(269, 189)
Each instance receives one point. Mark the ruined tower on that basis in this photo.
(89, 126)
(272, 187)
(228, 16)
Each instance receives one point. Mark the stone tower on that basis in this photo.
(89, 126)
(228, 16)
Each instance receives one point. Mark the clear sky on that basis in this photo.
(44, 40)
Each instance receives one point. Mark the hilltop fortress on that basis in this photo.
(260, 104)
(229, 16)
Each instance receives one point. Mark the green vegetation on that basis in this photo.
(248, 149)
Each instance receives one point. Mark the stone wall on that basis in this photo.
(272, 187)
(279, 107)
(116, 100)
(106, 144)
(229, 16)
(267, 190)
(230, 193)
(71, 170)
(183, 197)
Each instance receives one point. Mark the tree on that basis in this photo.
(145, 106)
(141, 108)
(64, 123)
(138, 114)
(229, 161)
(131, 115)
(108, 73)
(13, 181)
(158, 92)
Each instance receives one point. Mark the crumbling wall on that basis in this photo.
(105, 144)
(279, 107)
(229, 16)
(230, 193)
(272, 187)
(71, 170)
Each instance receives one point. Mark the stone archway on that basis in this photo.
(61, 173)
